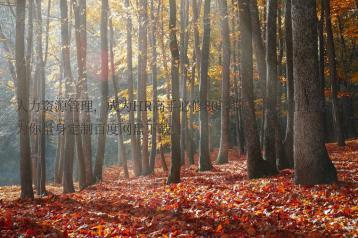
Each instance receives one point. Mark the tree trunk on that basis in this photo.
(79, 93)
(270, 152)
(312, 164)
(174, 174)
(134, 146)
(256, 166)
(204, 155)
(288, 142)
(225, 91)
(336, 105)
(67, 180)
(121, 149)
(153, 32)
(184, 35)
(23, 100)
(101, 144)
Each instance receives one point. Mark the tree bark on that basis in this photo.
(101, 144)
(225, 88)
(256, 166)
(67, 180)
(23, 100)
(336, 105)
(288, 141)
(174, 174)
(204, 155)
(312, 164)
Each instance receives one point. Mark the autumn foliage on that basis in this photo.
(220, 203)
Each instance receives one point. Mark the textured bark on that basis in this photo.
(256, 166)
(184, 35)
(23, 99)
(79, 93)
(174, 174)
(204, 155)
(336, 104)
(67, 180)
(153, 31)
(134, 146)
(142, 82)
(121, 148)
(103, 117)
(312, 164)
(270, 153)
(40, 76)
(288, 141)
(225, 87)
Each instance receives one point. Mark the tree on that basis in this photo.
(121, 149)
(67, 180)
(204, 155)
(23, 100)
(101, 144)
(270, 152)
(134, 146)
(153, 32)
(142, 82)
(174, 174)
(256, 166)
(312, 164)
(288, 142)
(336, 105)
(225, 91)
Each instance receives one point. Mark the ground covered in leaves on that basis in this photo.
(220, 203)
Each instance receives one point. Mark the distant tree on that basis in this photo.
(22, 94)
(204, 155)
(256, 166)
(174, 174)
(225, 88)
(336, 104)
(101, 144)
(312, 164)
(67, 179)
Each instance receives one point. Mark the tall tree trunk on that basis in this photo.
(79, 93)
(153, 32)
(134, 146)
(184, 35)
(225, 91)
(101, 144)
(67, 180)
(40, 76)
(23, 100)
(288, 142)
(256, 166)
(270, 152)
(174, 174)
(204, 155)
(336, 105)
(312, 164)
(142, 82)
(122, 151)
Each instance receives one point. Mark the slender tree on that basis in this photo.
(225, 88)
(312, 164)
(174, 174)
(336, 105)
(101, 144)
(204, 155)
(67, 180)
(256, 166)
(23, 100)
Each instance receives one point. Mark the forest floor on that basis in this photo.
(220, 203)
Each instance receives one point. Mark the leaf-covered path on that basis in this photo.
(218, 203)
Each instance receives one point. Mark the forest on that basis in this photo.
(178, 118)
